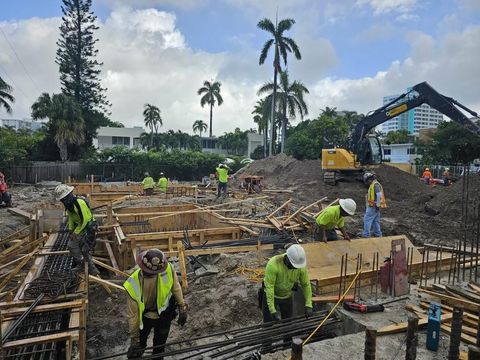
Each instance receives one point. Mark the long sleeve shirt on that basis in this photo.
(331, 218)
(149, 288)
(279, 281)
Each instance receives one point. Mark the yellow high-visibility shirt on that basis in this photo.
(331, 218)
(222, 174)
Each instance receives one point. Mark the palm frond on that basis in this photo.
(202, 90)
(267, 25)
(265, 88)
(264, 52)
(219, 98)
(284, 25)
(293, 45)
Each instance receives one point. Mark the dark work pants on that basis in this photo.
(222, 189)
(284, 306)
(6, 198)
(161, 329)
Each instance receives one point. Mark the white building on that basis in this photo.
(254, 140)
(400, 153)
(17, 124)
(210, 144)
(421, 117)
(108, 137)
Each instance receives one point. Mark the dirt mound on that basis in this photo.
(448, 201)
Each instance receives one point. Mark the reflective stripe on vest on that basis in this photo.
(164, 291)
(371, 195)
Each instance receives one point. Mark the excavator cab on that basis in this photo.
(370, 151)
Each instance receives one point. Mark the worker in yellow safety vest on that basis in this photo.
(222, 172)
(162, 183)
(283, 274)
(148, 184)
(375, 202)
(150, 304)
(334, 217)
(81, 227)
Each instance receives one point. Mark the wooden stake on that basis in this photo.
(183, 267)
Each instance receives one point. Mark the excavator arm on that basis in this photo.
(421, 93)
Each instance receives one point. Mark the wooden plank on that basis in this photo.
(314, 203)
(105, 282)
(112, 269)
(183, 268)
(284, 222)
(330, 299)
(9, 236)
(111, 255)
(453, 300)
(250, 231)
(470, 340)
(17, 311)
(22, 213)
(401, 327)
(16, 270)
(38, 340)
(280, 208)
(13, 262)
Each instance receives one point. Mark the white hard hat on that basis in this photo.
(296, 255)
(62, 190)
(348, 205)
(367, 176)
(447, 168)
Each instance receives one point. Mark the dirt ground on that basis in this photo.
(228, 300)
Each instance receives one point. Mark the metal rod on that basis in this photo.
(340, 284)
(376, 278)
(360, 276)
(370, 343)
(346, 274)
(455, 334)
(22, 317)
(373, 269)
(426, 266)
(436, 266)
(412, 338)
(450, 266)
(421, 269)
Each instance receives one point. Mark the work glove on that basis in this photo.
(73, 236)
(182, 315)
(134, 351)
(276, 316)
(308, 312)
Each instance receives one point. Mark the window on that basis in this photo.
(387, 151)
(120, 140)
(411, 151)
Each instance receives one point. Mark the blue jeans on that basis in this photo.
(371, 221)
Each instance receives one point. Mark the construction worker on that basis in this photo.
(150, 302)
(375, 202)
(427, 176)
(446, 176)
(148, 184)
(282, 275)
(222, 172)
(81, 226)
(5, 196)
(162, 183)
(333, 217)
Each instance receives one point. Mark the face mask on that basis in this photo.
(288, 264)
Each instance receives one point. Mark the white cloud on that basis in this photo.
(385, 6)
(376, 32)
(449, 65)
(186, 4)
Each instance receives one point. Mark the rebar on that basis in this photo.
(340, 284)
(412, 338)
(376, 278)
(455, 335)
(370, 343)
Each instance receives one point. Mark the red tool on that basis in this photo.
(369, 308)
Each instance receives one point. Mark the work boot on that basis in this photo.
(78, 268)
(92, 270)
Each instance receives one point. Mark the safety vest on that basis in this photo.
(81, 215)
(162, 184)
(222, 175)
(371, 195)
(148, 183)
(164, 291)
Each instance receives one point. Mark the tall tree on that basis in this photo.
(76, 57)
(290, 100)
(211, 93)
(282, 45)
(65, 119)
(260, 117)
(199, 126)
(152, 119)
(6, 96)
(329, 111)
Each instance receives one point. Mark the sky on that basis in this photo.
(160, 52)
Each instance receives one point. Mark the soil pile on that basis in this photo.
(448, 202)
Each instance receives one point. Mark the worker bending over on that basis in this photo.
(222, 171)
(162, 183)
(148, 184)
(427, 176)
(333, 217)
(375, 202)
(81, 226)
(150, 302)
(5, 196)
(282, 274)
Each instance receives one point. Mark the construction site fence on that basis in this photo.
(36, 172)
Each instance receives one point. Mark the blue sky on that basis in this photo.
(345, 44)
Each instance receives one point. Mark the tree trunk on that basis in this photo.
(270, 148)
(284, 126)
(265, 145)
(211, 112)
(63, 151)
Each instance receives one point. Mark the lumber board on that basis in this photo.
(464, 294)
(16, 270)
(38, 340)
(401, 327)
(280, 208)
(22, 213)
(111, 255)
(470, 340)
(453, 300)
(17, 311)
(179, 234)
(330, 299)
(105, 282)
(112, 269)
(221, 250)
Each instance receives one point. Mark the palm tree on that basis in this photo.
(199, 126)
(328, 111)
(281, 45)
(211, 91)
(6, 96)
(152, 119)
(290, 100)
(260, 117)
(65, 118)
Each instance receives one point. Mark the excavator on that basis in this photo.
(364, 150)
